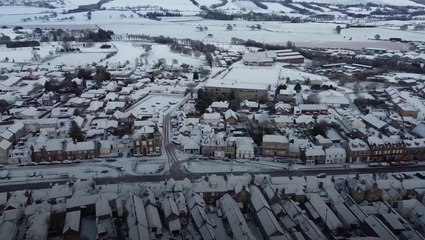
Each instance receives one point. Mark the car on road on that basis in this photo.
(55, 162)
(420, 175)
(111, 160)
(1, 166)
(97, 160)
(120, 168)
(385, 164)
(321, 175)
(76, 161)
(373, 164)
(104, 171)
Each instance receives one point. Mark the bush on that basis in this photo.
(105, 46)
(22, 44)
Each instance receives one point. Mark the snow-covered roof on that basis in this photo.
(275, 139)
(230, 114)
(235, 218)
(16, 127)
(5, 145)
(374, 121)
(203, 223)
(170, 207)
(8, 230)
(220, 104)
(152, 215)
(59, 191)
(335, 151)
(324, 211)
(102, 207)
(72, 222)
(257, 199)
(39, 225)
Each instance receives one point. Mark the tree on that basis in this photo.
(195, 76)
(3, 105)
(289, 44)
(84, 74)
(338, 29)
(203, 102)
(320, 128)
(101, 75)
(75, 132)
(377, 37)
(48, 86)
(313, 99)
(297, 87)
(280, 87)
(404, 27)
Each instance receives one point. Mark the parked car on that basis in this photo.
(66, 162)
(111, 160)
(32, 164)
(321, 175)
(43, 163)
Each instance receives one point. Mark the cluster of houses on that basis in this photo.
(220, 207)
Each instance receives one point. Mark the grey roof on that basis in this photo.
(379, 228)
(8, 230)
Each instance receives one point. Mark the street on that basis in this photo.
(182, 175)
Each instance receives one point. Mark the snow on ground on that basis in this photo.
(184, 6)
(277, 7)
(348, 2)
(53, 172)
(75, 59)
(163, 51)
(208, 2)
(126, 51)
(222, 166)
(25, 54)
(21, 10)
(273, 32)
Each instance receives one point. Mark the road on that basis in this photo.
(180, 176)
(175, 167)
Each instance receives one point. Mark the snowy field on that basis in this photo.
(184, 6)
(75, 59)
(163, 51)
(389, 2)
(21, 10)
(272, 32)
(21, 55)
(126, 51)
